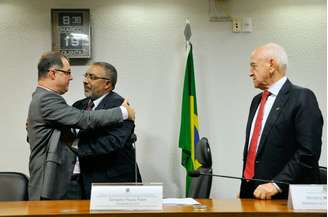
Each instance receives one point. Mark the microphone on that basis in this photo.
(197, 173)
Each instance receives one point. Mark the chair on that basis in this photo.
(13, 186)
(200, 187)
(323, 175)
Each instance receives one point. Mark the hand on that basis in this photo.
(265, 191)
(131, 112)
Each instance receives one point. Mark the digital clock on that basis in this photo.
(71, 32)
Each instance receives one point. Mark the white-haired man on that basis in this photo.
(284, 129)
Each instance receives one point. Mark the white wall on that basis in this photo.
(144, 40)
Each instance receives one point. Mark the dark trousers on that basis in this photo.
(74, 190)
(247, 189)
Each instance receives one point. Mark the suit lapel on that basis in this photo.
(275, 112)
(82, 104)
(103, 102)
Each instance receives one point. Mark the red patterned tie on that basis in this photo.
(251, 154)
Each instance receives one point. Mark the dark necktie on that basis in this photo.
(90, 105)
(251, 154)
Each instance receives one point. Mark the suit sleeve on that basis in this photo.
(55, 111)
(99, 142)
(308, 124)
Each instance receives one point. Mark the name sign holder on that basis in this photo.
(126, 196)
(307, 197)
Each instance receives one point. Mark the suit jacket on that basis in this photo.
(107, 154)
(51, 160)
(290, 145)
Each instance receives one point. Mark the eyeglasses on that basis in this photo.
(68, 72)
(94, 77)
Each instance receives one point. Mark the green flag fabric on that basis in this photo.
(189, 130)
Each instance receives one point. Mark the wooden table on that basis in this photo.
(229, 208)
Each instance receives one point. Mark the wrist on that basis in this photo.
(276, 186)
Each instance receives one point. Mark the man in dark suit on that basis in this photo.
(284, 129)
(48, 126)
(107, 154)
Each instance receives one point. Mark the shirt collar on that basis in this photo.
(46, 88)
(275, 88)
(97, 101)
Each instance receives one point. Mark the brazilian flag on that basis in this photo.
(189, 130)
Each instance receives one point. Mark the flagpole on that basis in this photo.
(189, 130)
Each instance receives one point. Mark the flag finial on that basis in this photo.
(187, 31)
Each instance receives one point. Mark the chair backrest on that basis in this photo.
(13, 186)
(203, 153)
(323, 175)
(200, 187)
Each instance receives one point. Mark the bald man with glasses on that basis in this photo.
(48, 127)
(107, 154)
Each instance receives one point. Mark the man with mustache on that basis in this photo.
(107, 154)
(48, 127)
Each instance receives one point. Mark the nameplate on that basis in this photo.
(106, 196)
(307, 197)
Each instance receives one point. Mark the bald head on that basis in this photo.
(275, 52)
(268, 64)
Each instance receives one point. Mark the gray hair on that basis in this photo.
(110, 72)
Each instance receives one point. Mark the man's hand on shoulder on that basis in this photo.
(265, 191)
(130, 110)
